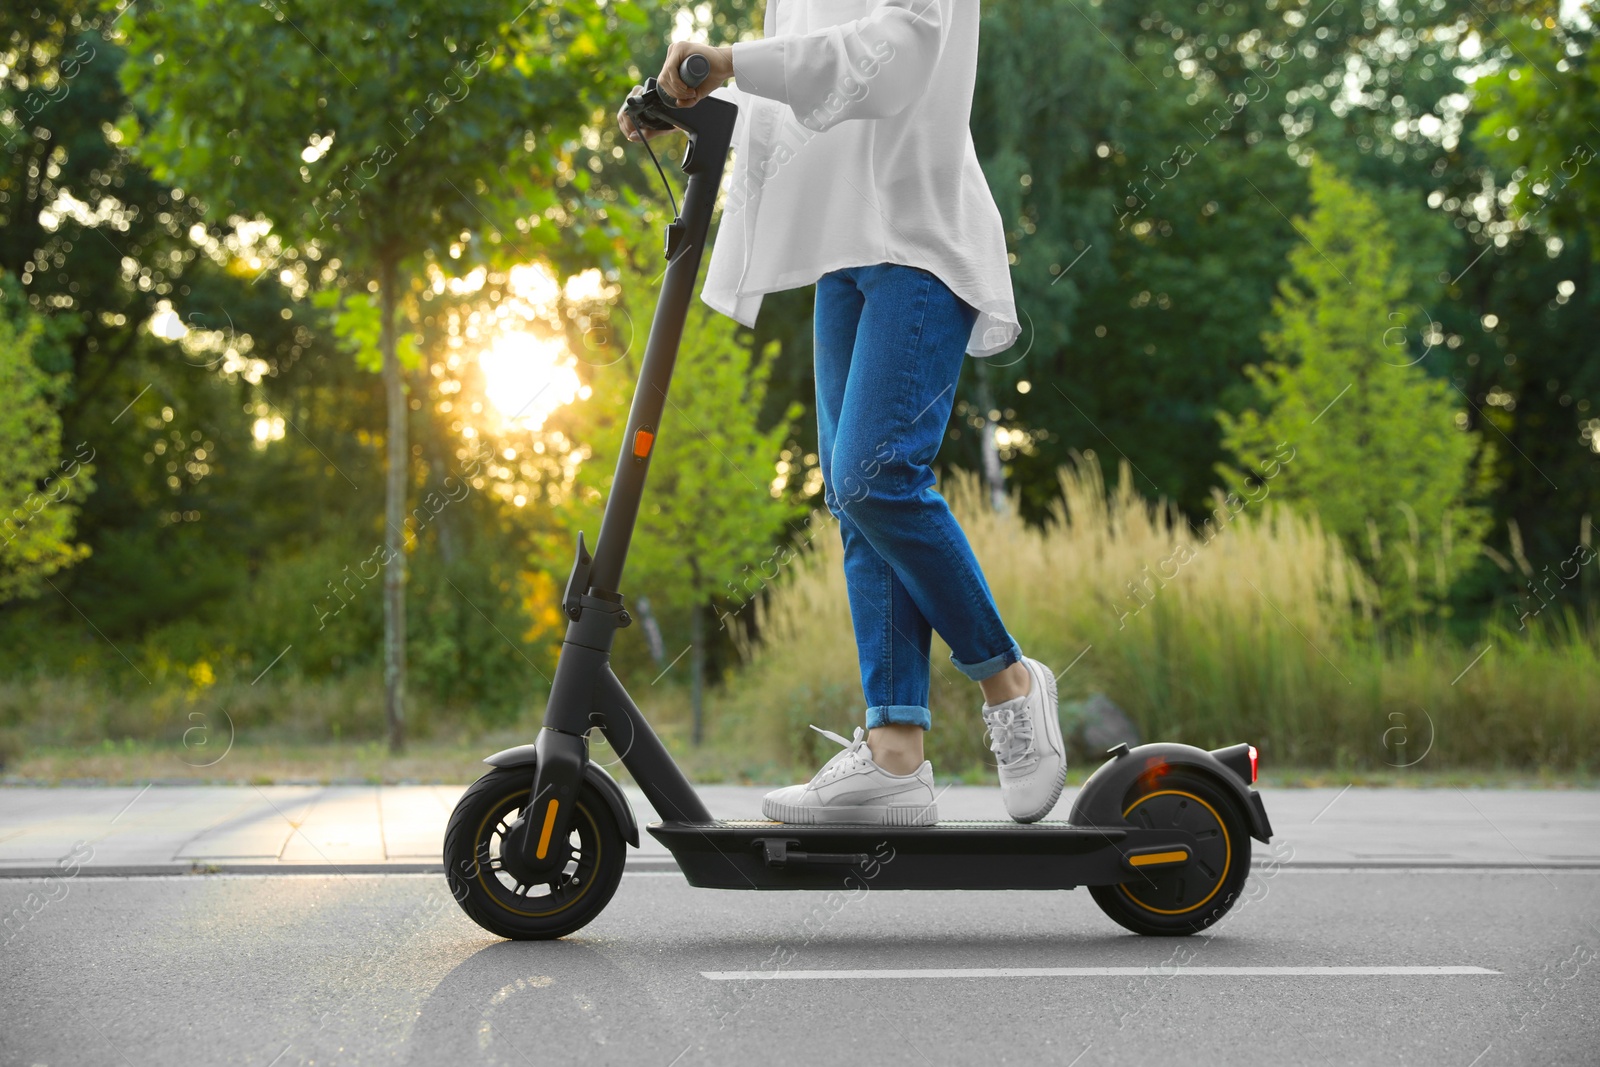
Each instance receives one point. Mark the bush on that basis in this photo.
(1254, 627)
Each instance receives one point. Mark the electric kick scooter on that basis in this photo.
(534, 849)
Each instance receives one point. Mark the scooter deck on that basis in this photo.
(758, 854)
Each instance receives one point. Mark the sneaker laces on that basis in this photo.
(855, 749)
(1010, 736)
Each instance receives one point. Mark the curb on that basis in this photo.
(645, 865)
(667, 865)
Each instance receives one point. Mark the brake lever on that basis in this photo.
(642, 108)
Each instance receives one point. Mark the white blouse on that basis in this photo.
(810, 191)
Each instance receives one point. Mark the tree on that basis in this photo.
(390, 136)
(1351, 426)
(1542, 120)
(100, 247)
(1046, 92)
(39, 489)
(711, 524)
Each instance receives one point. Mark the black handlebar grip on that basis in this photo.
(694, 70)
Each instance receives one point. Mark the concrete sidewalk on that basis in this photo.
(397, 829)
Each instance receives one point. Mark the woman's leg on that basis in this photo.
(910, 345)
(892, 635)
(909, 350)
(890, 344)
(882, 778)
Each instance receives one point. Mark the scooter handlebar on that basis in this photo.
(694, 70)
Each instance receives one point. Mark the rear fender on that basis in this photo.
(1100, 801)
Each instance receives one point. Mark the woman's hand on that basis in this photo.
(672, 88)
(721, 60)
(624, 120)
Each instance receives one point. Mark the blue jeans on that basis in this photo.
(890, 341)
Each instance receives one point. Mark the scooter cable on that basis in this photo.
(646, 142)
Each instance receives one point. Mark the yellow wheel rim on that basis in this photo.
(1227, 853)
(497, 891)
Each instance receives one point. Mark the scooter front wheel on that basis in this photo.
(542, 907)
(1176, 901)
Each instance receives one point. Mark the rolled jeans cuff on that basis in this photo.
(899, 715)
(991, 666)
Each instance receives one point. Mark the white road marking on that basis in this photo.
(1096, 972)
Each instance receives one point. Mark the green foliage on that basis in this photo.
(40, 487)
(392, 129)
(387, 129)
(714, 507)
(1162, 144)
(357, 323)
(98, 247)
(1376, 447)
(1541, 117)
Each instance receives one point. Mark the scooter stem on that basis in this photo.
(584, 693)
(709, 125)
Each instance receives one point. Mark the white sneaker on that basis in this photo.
(850, 788)
(1025, 736)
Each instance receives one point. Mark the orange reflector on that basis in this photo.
(642, 440)
(1156, 857)
(549, 824)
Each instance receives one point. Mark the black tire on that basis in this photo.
(1179, 901)
(493, 898)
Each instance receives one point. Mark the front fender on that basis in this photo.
(1100, 801)
(604, 784)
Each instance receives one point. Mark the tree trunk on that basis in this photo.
(652, 631)
(993, 474)
(444, 523)
(394, 508)
(697, 668)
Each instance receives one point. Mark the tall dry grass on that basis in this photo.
(80, 710)
(1254, 626)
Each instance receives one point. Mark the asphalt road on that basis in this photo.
(300, 969)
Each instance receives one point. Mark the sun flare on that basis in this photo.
(527, 377)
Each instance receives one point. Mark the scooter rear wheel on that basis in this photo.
(536, 909)
(1177, 901)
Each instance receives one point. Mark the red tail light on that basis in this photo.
(1240, 760)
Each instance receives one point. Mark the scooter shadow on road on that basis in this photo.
(512, 1001)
